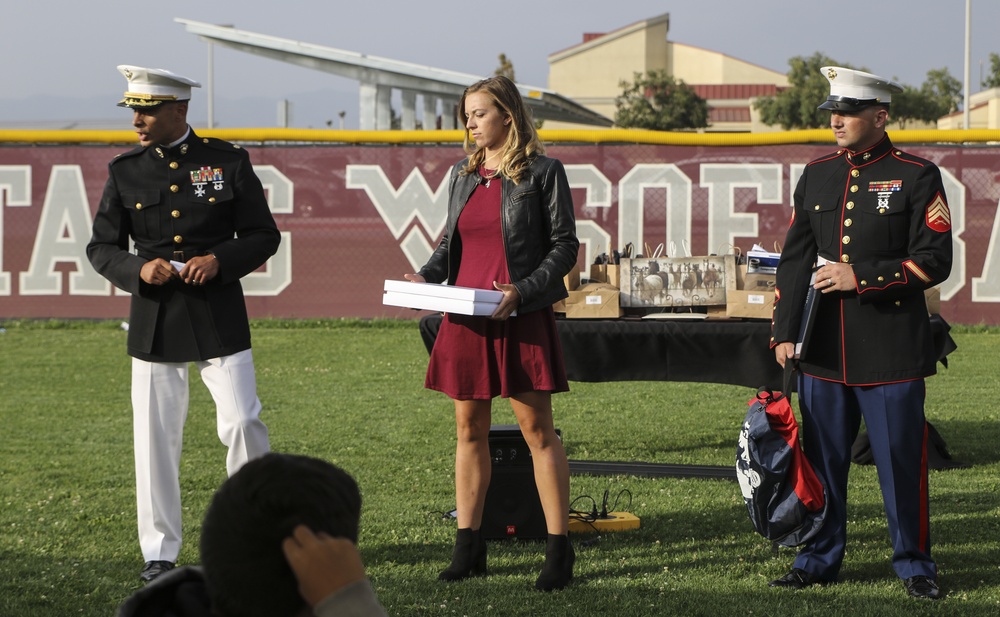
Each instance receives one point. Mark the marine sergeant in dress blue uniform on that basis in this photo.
(199, 220)
(878, 219)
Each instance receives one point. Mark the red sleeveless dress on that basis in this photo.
(480, 358)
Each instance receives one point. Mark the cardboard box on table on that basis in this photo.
(753, 297)
(572, 282)
(750, 304)
(594, 301)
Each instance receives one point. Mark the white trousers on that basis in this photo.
(159, 409)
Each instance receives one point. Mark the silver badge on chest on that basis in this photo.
(883, 202)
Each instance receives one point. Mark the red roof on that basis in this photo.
(734, 91)
(728, 114)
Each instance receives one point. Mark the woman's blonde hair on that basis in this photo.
(522, 144)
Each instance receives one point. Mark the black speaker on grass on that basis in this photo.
(512, 509)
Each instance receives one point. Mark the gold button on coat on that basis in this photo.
(174, 165)
(845, 258)
(848, 222)
(176, 214)
(850, 205)
(178, 239)
(854, 188)
(855, 173)
(211, 200)
(138, 206)
(846, 239)
(174, 188)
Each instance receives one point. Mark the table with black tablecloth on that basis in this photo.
(735, 352)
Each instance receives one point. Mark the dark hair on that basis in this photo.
(522, 144)
(253, 512)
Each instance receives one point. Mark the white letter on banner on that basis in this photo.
(277, 274)
(986, 288)
(722, 180)
(794, 173)
(597, 195)
(631, 198)
(15, 185)
(955, 190)
(414, 199)
(63, 232)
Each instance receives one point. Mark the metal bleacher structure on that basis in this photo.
(379, 77)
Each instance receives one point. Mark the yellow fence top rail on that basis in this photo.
(587, 136)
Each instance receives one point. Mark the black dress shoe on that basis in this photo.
(922, 587)
(796, 579)
(152, 569)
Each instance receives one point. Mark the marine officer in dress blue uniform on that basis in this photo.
(199, 220)
(878, 219)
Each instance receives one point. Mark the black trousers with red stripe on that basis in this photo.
(894, 417)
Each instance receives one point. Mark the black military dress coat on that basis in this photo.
(884, 212)
(198, 197)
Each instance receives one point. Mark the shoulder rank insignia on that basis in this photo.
(938, 215)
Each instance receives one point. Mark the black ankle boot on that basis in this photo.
(558, 568)
(468, 558)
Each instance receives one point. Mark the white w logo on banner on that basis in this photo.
(398, 207)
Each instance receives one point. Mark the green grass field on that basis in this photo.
(352, 392)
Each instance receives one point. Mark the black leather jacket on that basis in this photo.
(539, 232)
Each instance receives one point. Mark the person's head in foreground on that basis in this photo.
(253, 512)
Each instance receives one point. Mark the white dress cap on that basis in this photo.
(152, 87)
(852, 90)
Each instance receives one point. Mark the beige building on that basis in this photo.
(591, 74)
(984, 112)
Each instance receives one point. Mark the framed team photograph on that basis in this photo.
(675, 282)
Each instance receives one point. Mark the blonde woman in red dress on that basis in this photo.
(511, 227)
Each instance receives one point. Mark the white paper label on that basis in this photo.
(755, 299)
(593, 299)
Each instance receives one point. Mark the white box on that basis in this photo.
(439, 290)
(760, 262)
(443, 298)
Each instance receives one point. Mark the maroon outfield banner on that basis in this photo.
(354, 215)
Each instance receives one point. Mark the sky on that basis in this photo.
(59, 58)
